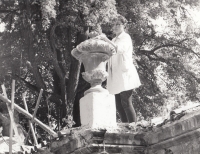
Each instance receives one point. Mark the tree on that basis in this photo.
(165, 34)
(40, 34)
(38, 39)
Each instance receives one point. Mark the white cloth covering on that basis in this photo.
(123, 75)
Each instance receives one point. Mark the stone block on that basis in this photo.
(98, 110)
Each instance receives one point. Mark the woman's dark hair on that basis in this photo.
(121, 19)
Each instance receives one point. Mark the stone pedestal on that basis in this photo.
(98, 110)
(97, 107)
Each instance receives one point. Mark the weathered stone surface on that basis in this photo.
(122, 138)
(174, 129)
(85, 141)
(72, 141)
(176, 141)
(191, 147)
(111, 149)
(98, 110)
(179, 137)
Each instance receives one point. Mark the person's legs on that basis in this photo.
(120, 108)
(126, 100)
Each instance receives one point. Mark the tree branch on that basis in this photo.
(53, 48)
(10, 11)
(58, 70)
(31, 51)
(53, 97)
(178, 45)
(173, 45)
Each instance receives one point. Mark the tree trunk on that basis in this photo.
(74, 78)
(31, 52)
(73, 83)
(82, 87)
(59, 70)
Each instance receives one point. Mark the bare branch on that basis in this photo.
(152, 52)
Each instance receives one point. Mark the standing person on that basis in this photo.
(123, 76)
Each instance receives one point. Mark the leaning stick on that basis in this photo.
(34, 113)
(11, 120)
(28, 115)
(10, 112)
(30, 124)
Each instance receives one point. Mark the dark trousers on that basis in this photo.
(125, 107)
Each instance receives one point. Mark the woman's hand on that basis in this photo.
(102, 37)
(93, 34)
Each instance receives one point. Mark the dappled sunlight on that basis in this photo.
(161, 25)
(174, 90)
(2, 27)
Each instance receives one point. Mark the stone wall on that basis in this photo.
(174, 137)
(178, 137)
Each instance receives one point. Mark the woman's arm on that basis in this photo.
(104, 38)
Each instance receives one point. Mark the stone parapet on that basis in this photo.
(92, 141)
(178, 137)
(175, 135)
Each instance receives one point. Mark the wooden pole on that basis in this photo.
(34, 114)
(30, 124)
(12, 111)
(28, 115)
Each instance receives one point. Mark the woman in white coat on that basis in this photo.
(123, 76)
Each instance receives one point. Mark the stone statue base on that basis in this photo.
(98, 110)
(97, 89)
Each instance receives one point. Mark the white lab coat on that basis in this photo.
(123, 75)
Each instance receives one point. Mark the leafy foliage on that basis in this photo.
(40, 34)
(165, 34)
(36, 51)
